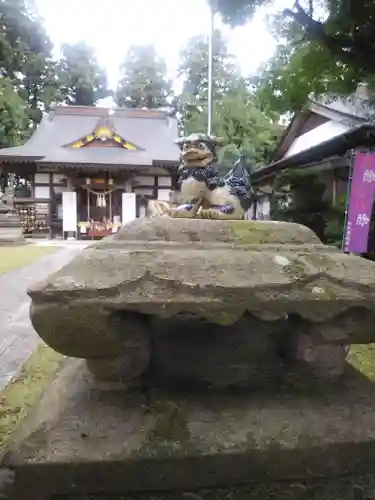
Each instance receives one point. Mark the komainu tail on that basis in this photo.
(156, 208)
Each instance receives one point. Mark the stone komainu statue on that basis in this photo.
(204, 192)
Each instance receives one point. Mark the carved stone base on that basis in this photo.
(80, 443)
(223, 303)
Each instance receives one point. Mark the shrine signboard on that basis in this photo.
(362, 189)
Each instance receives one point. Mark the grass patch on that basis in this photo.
(18, 398)
(16, 256)
(362, 357)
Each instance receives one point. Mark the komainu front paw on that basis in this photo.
(183, 212)
(214, 213)
(187, 210)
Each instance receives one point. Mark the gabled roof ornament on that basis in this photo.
(104, 132)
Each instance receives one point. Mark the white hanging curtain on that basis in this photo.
(100, 200)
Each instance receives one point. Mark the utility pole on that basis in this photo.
(210, 67)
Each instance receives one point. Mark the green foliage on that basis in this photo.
(323, 47)
(288, 78)
(82, 81)
(237, 12)
(193, 72)
(335, 223)
(31, 80)
(193, 68)
(25, 55)
(22, 35)
(346, 29)
(244, 128)
(143, 81)
(299, 197)
(13, 116)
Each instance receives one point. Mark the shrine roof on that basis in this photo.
(152, 132)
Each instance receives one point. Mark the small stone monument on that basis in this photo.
(10, 224)
(207, 361)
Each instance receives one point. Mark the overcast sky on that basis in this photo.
(111, 26)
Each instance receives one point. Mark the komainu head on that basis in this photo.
(198, 150)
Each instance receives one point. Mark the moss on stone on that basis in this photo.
(19, 397)
(169, 433)
(258, 232)
(250, 233)
(226, 317)
(362, 358)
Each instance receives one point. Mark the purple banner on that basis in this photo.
(361, 198)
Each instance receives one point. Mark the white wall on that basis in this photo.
(42, 192)
(69, 212)
(164, 194)
(165, 181)
(316, 136)
(41, 178)
(128, 207)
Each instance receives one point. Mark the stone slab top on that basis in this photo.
(213, 231)
(166, 266)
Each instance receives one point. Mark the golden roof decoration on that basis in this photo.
(105, 133)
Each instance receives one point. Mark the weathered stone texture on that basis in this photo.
(141, 445)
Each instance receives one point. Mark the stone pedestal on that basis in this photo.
(85, 444)
(213, 367)
(208, 303)
(10, 225)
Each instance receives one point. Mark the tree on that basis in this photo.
(193, 68)
(243, 126)
(22, 34)
(298, 196)
(345, 29)
(236, 118)
(300, 67)
(82, 81)
(193, 74)
(143, 82)
(13, 115)
(25, 55)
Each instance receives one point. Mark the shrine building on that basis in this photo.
(88, 170)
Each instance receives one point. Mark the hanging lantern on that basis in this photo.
(88, 180)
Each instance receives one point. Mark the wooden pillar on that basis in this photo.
(3, 180)
(155, 190)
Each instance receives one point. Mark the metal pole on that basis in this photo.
(210, 69)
